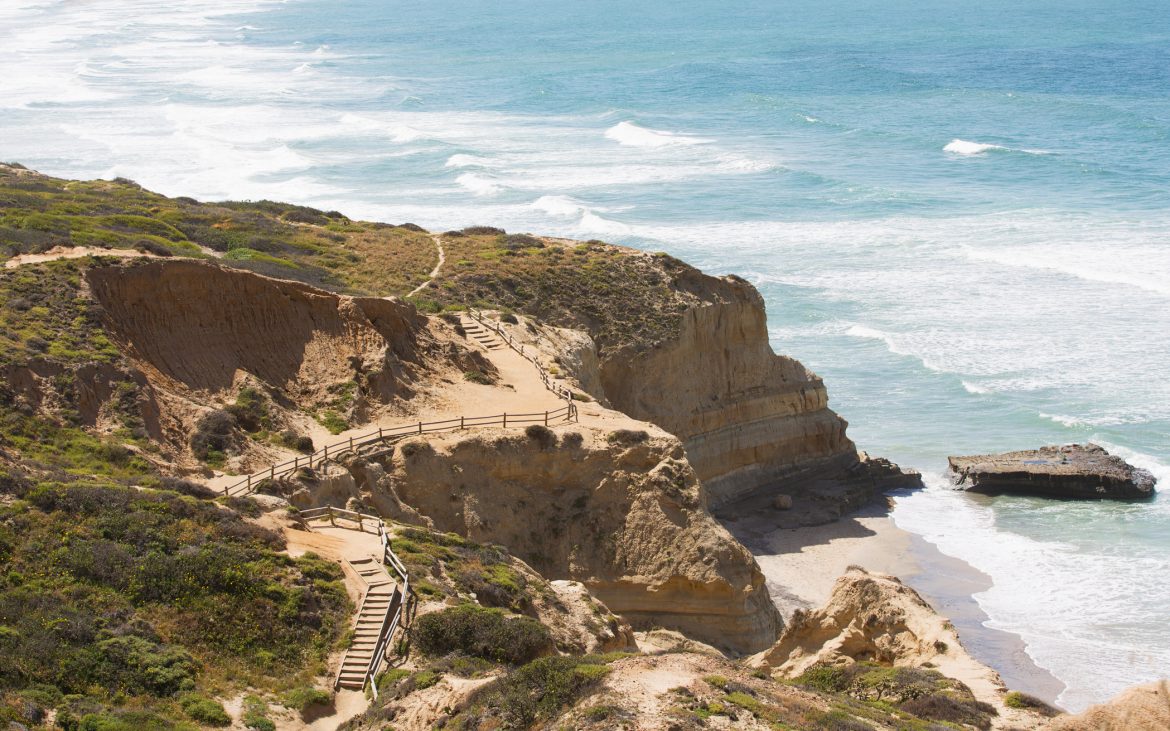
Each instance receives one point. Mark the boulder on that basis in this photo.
(1082, 471)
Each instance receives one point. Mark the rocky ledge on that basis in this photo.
(1083, 471)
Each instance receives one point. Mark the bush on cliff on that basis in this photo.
(215, 436)
(483, 633)
(627, 437)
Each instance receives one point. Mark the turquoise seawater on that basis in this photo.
(958, 213)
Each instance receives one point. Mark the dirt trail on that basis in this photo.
(80, 252)
(434, 272)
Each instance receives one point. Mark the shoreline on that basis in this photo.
(802, 564)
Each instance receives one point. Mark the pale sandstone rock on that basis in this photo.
(629, 522)
(746, 416)
(1141, 708)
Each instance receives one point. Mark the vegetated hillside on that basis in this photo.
(38, 212)
(129, 600)
(619, 295)
(128, 607)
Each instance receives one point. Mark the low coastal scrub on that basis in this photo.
(455, 567)
(111, 593)
(480, 632)
(1023, 701)
(322, 248)
(919, 692)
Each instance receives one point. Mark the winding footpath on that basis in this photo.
(434, 272)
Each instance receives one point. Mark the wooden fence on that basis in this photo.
(568, 412)
(528, 355)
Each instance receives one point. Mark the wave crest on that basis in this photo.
(631, 135)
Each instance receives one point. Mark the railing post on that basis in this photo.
(379, 432)
(325, 450)
(331, 521)
(461, 422)
(546, 418)
(505, 419)
(272, 472)
(420, 427)
(351, 444)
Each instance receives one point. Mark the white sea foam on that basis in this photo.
(632, 135)
(463, 161)
(479, 184)
(963, 147)
(1058, 595)
(559, 205)
(1140, 267)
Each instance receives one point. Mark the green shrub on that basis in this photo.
(1016, 699)
(627, 437)
(484, 633)
(303, 698)
(205, 710)
(332, 421)
(494, 585)
(825, 678)
(952, 709)
(544, 687)
(542, 435)
(515, 242)
(250, 410)
(215, 434)
(255, 715)
(482, 231)
(478, 377)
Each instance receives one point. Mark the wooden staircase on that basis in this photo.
(383, 598)
(480, 334)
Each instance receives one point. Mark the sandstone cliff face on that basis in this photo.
(198, 326)
(746, 416)
(629, 522)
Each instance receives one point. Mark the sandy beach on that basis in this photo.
(801, 565)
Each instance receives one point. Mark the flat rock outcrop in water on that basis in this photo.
(1084, 471)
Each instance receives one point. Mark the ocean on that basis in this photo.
(958, 213)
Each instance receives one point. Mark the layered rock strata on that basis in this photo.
(1073, 471)
(747, 417)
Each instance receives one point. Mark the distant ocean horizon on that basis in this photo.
(958, 215)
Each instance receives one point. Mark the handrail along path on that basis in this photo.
(568, 412)
(398, 610)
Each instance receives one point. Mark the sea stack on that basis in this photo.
(1080, 471)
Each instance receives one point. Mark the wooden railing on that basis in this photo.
(396, 613)
(568, 412)
(530, 356)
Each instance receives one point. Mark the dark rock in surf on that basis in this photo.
(1081, 471)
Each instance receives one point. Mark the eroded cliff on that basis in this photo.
(747, 417)
(628, 520)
